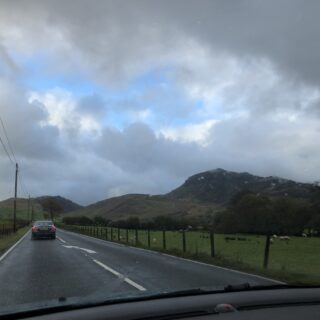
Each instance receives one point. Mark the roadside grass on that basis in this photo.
(22, 215)
(296, 261)
(7, 241)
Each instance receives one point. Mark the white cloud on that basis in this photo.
(199, 133)
(250, 99)
(61, 107)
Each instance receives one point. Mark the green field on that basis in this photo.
(295, 261)
(6, 211)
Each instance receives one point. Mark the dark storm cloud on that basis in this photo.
(253, 65)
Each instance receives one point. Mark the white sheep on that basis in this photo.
(284, 238)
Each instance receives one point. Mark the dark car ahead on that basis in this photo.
(43, 229)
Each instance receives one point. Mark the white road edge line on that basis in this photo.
(61, 240)
(12, 247)
(119, 275)
(176, 257)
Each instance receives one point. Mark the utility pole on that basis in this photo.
(28, 210)
(15, 201)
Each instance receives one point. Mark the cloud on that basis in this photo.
(179, 87)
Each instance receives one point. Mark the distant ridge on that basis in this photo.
(66, 204)
(220, 185)
(205, 192)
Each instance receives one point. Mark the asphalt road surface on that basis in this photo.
(75, 265)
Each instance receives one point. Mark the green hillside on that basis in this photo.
(144, 207)
(6, 210)
(201, 194)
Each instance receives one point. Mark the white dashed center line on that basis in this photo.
(119, 275)
(83, 249)
(61, 240)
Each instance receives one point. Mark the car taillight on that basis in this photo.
(34, 229)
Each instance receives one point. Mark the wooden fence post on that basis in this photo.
(164, 239)
(266, 252)
(184, 246)
(212, 244)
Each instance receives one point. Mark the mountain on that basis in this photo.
(66, 204)
(219, 186)
(203, 193)
(144, 206)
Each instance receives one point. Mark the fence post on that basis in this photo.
(149, 242)
(137, 237)
(184, 247)
(164, 239)
(127, 235)
(118, 234)
(212, 244)
(266, 252)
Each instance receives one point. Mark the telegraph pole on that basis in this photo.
(28, 210)
(15, 201)
(32, 212)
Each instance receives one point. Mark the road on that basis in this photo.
(77, 265)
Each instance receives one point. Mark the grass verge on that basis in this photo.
(7, 242)
(295, 262)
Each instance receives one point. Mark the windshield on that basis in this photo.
(43, 223)
(157, 147)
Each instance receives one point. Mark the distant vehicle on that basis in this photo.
(43, 229)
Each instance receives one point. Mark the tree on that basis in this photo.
(52, 207)
(81, 221)
(98, 220)
(254, 214)
(291, 215)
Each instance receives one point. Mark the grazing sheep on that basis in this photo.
(271, 241)
(275, 236)
(287, 238)
(304, 235)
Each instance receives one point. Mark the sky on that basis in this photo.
(102, 98)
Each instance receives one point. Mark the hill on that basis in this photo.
(219, 186)
(203, 193)
(143, 206)
(66, 204)
(6, 209)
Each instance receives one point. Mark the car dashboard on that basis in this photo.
(253, 304)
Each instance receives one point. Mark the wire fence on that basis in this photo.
(297, 256)
(7, 229)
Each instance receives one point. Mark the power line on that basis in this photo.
(6, 151)
(22, 185)
(8, 141)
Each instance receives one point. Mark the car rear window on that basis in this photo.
(43, 223)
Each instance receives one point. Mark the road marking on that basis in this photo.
(11, 248)
(108, 242)
(61, 240)
(119, 275)
(83, 249)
